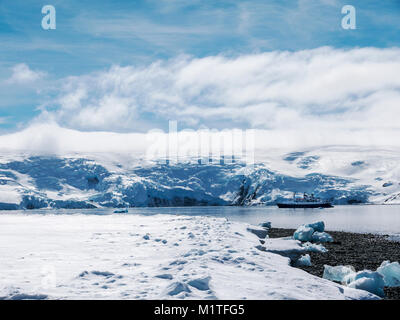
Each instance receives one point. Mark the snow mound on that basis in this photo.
(178, 288)
(107, 258)
(11, 293)
(200, 283)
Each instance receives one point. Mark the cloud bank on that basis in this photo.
(312, 97)
(355, 89)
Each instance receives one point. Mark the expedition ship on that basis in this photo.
(308, 201)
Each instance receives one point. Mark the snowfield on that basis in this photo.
(345, 174)
(77, 256)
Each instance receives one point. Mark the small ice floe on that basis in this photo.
(317, 226)
(390, 273)
(304, 261)
(314, 247)
(312, 232)
(367, 280)
(337, 273)
(322, 237)
(303, 233)
(121, 211)
(387, 275)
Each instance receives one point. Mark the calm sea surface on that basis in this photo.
(358, 218)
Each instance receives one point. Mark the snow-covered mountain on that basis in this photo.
(345, 174)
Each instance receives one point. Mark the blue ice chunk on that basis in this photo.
(337, 273)
(390, 273)
(322, 237)
(304, 260)
(317, 226)
(314, 247)
(367, 280)
(303, 233)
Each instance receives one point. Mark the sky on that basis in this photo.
(286, 68)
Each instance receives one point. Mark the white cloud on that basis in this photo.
(316, 89)
(294, 99)
(51, 139)
(21, 74)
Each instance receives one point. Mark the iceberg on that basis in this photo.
(367, 280)
(317, 226)
(337, 273)
(390, 273)
(304, 261)
(303, 233)
(322, 237)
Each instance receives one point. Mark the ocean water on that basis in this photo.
(382, 219)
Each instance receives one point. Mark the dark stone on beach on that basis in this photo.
(362, 251)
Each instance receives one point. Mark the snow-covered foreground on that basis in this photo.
(149, 257)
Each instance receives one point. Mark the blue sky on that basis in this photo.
(92, 36)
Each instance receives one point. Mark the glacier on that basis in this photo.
(346, 175)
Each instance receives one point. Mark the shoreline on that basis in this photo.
(360, 250)
(172, 207)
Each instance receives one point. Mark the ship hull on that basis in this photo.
(305, 205)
